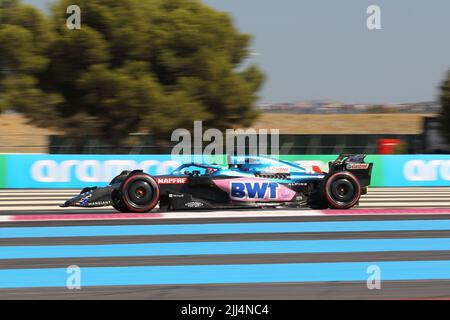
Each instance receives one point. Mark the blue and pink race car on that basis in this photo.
(247, 182)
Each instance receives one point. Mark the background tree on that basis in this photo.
(445, 111)
(135, 65)
(25, 34)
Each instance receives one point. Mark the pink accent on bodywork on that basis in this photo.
(283, 192)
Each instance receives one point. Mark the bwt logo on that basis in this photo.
(93, 170)
(254, 190)
(419, 170)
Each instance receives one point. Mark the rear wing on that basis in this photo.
(344, 158)
(355, 164)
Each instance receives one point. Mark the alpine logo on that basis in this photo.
(254, 190)
(171, 180)
(85, 200)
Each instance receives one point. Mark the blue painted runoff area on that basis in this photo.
(224, 228)
(223, 274)
(224, 248)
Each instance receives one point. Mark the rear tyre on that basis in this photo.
(138, 193)
(342, 190)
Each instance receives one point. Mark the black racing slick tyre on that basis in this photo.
(117, 202)
(138, 193)
(342, 190)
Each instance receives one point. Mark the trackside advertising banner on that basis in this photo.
(3, 171)
(417, 170)
(77, 171)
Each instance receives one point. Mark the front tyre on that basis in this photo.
(138, 193)
(342, 190)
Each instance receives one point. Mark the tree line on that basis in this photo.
(133, 66)
(146, 66)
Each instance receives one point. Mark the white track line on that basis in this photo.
(405, 200)
(37, 202)
(52, 208)
(406, 194)
(408, 191)
(5, 195)
(206, 214)
(238, 214)
(31, 198)
(409, 188)
(169, 215)
(20, 191)
(404, 204)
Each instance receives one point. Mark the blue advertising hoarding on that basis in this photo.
(417, 170)
(77, 171)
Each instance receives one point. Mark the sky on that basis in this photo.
(322, 49)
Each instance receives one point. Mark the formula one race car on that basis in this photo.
(250, 182)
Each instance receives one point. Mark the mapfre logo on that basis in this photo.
(171, 180)
(434, 170)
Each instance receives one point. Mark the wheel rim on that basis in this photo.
(343, 190)
(140, 193)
